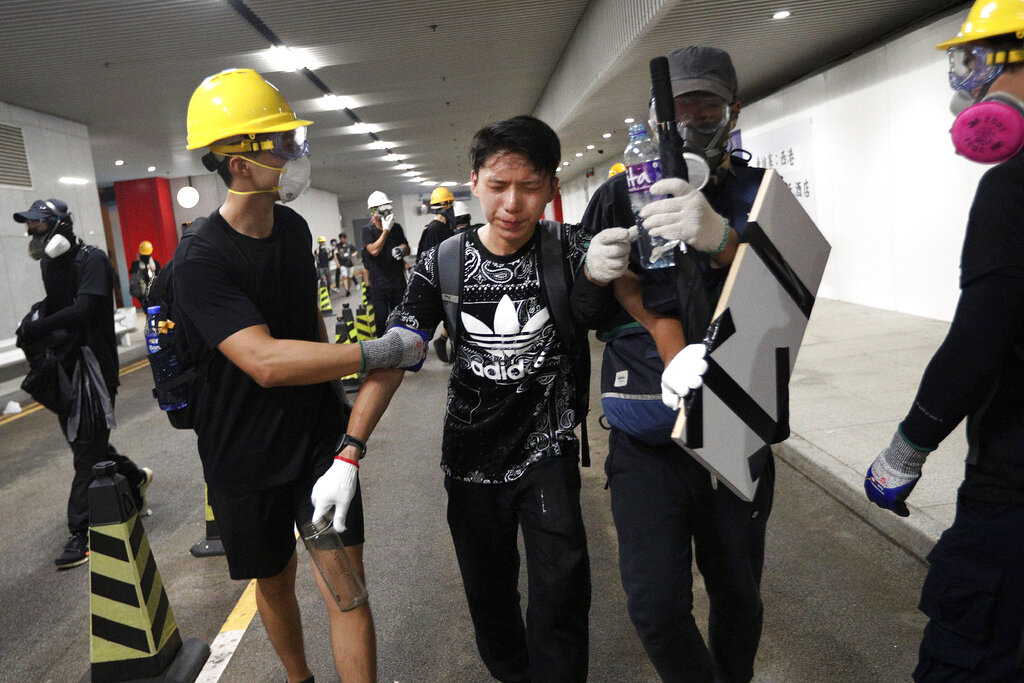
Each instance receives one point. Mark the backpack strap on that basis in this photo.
(555, 282)
(450, 258)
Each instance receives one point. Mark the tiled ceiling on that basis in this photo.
(423, 74)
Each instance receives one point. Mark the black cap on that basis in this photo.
(42, 209)
(700, 68)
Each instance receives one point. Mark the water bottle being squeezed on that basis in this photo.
(643, 168)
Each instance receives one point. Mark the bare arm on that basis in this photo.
(725, 257)
(289, 362)
(378, 245)
(666, 330)
(371, 402)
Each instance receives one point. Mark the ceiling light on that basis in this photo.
(590, 147)
(69, 180)
(629, 120)
(606, 135)
(380, 144)
(333, 101)
(417, 179)
(360, 127)
(404, 167)
(394, 157)
(565, 163)
(119, 162)
(469, 184)
(449, 183)
(188, 196)
(579, 154)
(429, 182)
(411, 174)
(284, 59)
(151, 169)
(780, 15)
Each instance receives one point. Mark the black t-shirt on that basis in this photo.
(511, 395)
(435, 233)
(981, 361)
(344, 253)
(323, 257)
(386, 272)
(252, 438)
(93, 276)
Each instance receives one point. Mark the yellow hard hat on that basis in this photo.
(321, 239)
(145, 248)
(440, 195)
(237, 102)
(617, 168)
(988, 19)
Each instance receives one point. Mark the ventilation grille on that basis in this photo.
(13, 159)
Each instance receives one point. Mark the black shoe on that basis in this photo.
(441, 348)
(76, 552)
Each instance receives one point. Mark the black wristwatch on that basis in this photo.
(349, 440)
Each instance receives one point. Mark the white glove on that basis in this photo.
(683, 373)
(686, 216)
(386, 221)
(397, 254)
(336, 487)
(608, 254)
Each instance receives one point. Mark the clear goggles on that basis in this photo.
(703, 112)
(382, 210)
(974, 66)
(287, 144)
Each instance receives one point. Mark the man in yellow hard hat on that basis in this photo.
(442, 202)
(268, 419)
(142, 272)
(973, 594)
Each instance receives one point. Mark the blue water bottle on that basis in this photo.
(164, 362)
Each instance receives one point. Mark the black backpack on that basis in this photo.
(555, 283)
(161, 293)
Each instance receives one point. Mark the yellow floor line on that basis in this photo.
(224, 645)
(34, 407)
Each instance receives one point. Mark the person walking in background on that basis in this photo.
(384, 251)
(142, 272)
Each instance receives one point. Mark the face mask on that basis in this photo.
(961, 100)
(991, 131)
(37, 247)
(293, 181)
(57, 246)
(295, 178)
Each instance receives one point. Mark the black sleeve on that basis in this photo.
(421, 307)
(399, 235)
(989, 320)
(594, 306)
(96, 276)
(995, 231)
(84, 308)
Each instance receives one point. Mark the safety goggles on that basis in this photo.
(287, 144)
(703, 112)
(974, 66)
(382, 210)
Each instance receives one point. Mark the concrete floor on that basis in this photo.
(840, 594)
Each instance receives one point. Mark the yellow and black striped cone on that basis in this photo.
(345, 330)
(364, 325)
(210, 546)
(325, 299)
(133, 634)
(369, 309)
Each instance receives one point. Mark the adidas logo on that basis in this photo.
(507, 342)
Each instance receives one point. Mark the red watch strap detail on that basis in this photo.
(350, 462)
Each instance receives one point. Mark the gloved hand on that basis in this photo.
(683, 373)
(386, 221)
(608, 254)
(337, 487)
(400, 347)
(893, 475)
(686, 216)
(397, 254)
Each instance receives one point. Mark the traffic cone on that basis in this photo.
(325, 297)
(369, 310)
(210, 546)
(133, 634)
(345, 331)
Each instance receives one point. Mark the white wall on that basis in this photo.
(889, 192)
(55, 148)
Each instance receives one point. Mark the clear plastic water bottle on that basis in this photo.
(643, 168)
(163, 361)
(336, 567)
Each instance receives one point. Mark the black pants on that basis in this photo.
(973, 596)
(384, 301)
(86, 455)
(662, 500)
(484, 520)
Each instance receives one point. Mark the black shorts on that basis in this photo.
(258, 528)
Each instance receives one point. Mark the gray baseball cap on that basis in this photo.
(701, 68)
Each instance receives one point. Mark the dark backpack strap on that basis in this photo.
(450, 258)
(555, 282)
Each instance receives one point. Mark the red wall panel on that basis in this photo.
(146, 213)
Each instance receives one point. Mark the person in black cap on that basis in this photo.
(666, 506)
(77, 318)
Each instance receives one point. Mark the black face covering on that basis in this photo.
(449, 215)
(144, 258)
